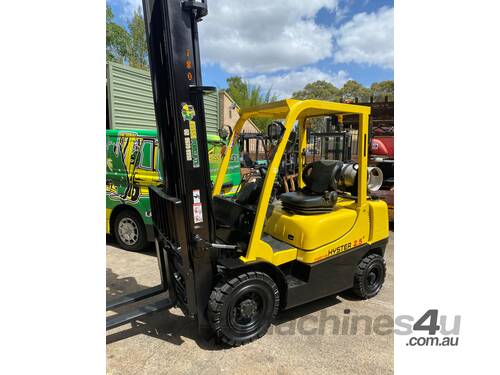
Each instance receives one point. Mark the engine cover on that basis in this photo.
(308, 232)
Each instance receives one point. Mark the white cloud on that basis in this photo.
(131, 5)
(126, 8)
(284, 85)
(262, 36)
(367, 39)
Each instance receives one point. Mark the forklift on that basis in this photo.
(232, 263)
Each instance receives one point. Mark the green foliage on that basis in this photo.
(117, 39)
(382, 89)
(322, 90)
(352, 90)
(126, 47)
(246, 95)
(137, 49)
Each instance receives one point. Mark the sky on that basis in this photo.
(285, 44)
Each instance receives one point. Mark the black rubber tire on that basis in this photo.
(369, 277)
(223, 307)
(141, 242)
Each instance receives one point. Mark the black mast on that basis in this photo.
(182, 214)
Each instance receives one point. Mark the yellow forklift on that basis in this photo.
(327, 237)
(233, 263)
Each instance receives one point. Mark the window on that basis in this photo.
(147, 155)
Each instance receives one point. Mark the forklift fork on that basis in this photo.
(141, 311)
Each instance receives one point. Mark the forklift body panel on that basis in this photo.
(309, 232)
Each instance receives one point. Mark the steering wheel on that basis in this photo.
(262, 170)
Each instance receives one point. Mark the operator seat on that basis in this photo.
(319, 194)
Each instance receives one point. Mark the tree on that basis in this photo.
(352, 90)
(137, 51)
(246, 95)
(380, 90)
(117, 39)
(322, 90)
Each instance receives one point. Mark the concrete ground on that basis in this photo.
(316, 338)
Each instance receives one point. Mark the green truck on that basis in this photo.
(133, 155)
(132, 165)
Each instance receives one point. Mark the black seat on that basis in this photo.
(319, 194)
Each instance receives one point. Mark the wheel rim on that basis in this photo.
(128, 231)
(373, 278)
(245, 315)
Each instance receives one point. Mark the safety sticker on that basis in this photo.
(194, 144)
(192, 129)
(197, 213)
(195, 153)
(187, 144)
(197, 207)
(188, 112)
(196, 196)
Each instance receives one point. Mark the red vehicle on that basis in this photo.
(383, 146)
(382, 156)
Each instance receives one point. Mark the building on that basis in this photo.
(129, 100)
(229, 115)
(129, 103)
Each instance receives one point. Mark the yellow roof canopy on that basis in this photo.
(311, 108)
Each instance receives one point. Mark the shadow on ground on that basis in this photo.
(149, 250)
(163, 325)
(173, 328)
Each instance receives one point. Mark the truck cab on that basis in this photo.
(132, 166)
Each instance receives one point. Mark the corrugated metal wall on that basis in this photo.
(212, 112)
(130, 100)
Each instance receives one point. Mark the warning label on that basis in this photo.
(198, 213)
(196, 196)
(197, 207)
(192, 129)
(187, 144)
(194, 144)
(195, 153)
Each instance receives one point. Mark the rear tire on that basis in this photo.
(369, 277)
(129, 231)
(241, 309)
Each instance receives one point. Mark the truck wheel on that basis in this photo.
(241, 309)
(369, 277)
(129, 231)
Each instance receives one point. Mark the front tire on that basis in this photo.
(129, 231)
(369, 277)
(242, 308)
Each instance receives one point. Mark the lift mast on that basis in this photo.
(182, 215)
